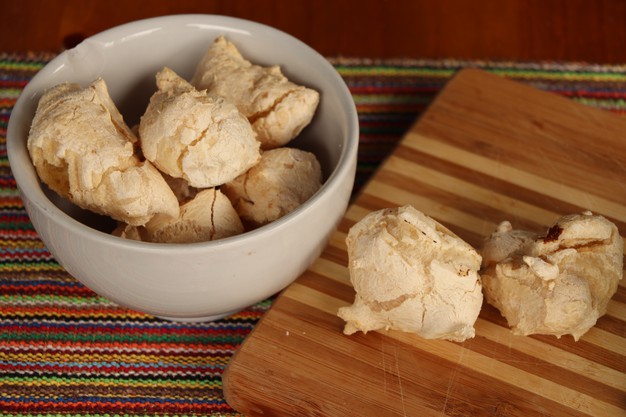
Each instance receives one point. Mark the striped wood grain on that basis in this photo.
(488, 149)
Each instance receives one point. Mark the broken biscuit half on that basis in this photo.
(556, 284)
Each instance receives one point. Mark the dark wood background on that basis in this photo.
(574, 30)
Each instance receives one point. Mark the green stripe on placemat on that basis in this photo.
(67, 351)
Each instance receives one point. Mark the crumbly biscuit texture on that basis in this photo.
(200, 138)
(411, 273)
(556, 284)
(209, 215)
(283, 179)
(277, 108)
(83, 150)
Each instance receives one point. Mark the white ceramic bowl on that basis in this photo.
(200, 281)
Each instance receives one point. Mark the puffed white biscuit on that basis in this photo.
(283, 179)
(411, 273)
(555, 284)
(198, 137)
(83, 150)
(277, 108)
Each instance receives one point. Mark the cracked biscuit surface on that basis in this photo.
(412, 274)
(198, 137)
(84, 151)
(555, 284)
(277, 108)
(207, 216)
(283, 179)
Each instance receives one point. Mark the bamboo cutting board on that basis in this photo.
(487, 149)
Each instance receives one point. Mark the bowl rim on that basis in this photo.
(345, 164)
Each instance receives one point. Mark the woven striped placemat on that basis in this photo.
(67, 351)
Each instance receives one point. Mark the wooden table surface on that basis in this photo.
(572, 30)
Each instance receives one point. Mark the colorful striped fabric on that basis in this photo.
(65, 351)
